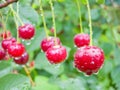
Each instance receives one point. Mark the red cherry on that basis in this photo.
(26, 31)
(5, 34)
(81, 40)
(32, 64)
(7, 42)
(16, 49)
(2, 54)
(47, 43)
(22, 60)
(89, 59)
(56, 54)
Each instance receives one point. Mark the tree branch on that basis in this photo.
(5, 4)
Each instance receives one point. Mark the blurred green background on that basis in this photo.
(106, 34)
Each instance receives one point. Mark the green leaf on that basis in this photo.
(28, 14)
(117, 55)
(42, 63)
(100, 1)
(5, 68)
(35, 43)
(105, 70)
(72, 84)
(115, 75)
(42, 83)
(107, 48)
(14, 82)
(95, 13)
(83, 1)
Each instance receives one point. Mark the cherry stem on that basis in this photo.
(53, 19)
(80, 18)
(16, 28)
(7, 16)
(16, 23)
(90, 22)
(6, 21)
(43, 18)
(3, 24)
(16, 14)
(28, 74)
(18, 40)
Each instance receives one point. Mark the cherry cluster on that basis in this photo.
(54, 50)
(88, 59)
(14, 49)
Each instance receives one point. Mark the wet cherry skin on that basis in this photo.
(56, 54)
(81, 40)
(89, 59)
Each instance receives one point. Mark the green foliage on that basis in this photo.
(43, 82)
(14, 82)
(106, 34)
(5, 68)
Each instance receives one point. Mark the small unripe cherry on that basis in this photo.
(6, 34)
(32, 64)
(52, 30)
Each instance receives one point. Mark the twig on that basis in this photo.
(28, 74)
(5, 4)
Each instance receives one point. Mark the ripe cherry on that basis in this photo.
(5, 34)
(89, 59)
(81, 40)
(22, 60)
(49, 42)
(16, 49)
(26, 31)
(56, 54)
(7, 42)
(2, 54)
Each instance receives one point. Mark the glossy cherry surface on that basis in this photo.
(89, 59)
(56, 54)
(22, 60)
(49, 42)
(81, 40)
(26, 31)
(16, 49)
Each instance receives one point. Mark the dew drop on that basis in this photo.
(23, 40)
(74, 65)
(17, 58)
(28, 42)
(32, 38)
(96, 73)
(41, 50)
(75, 46)
(82, 66)
(79, 70)
(92, 62)
(86, 75)
(57, 66)
(41, 14)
